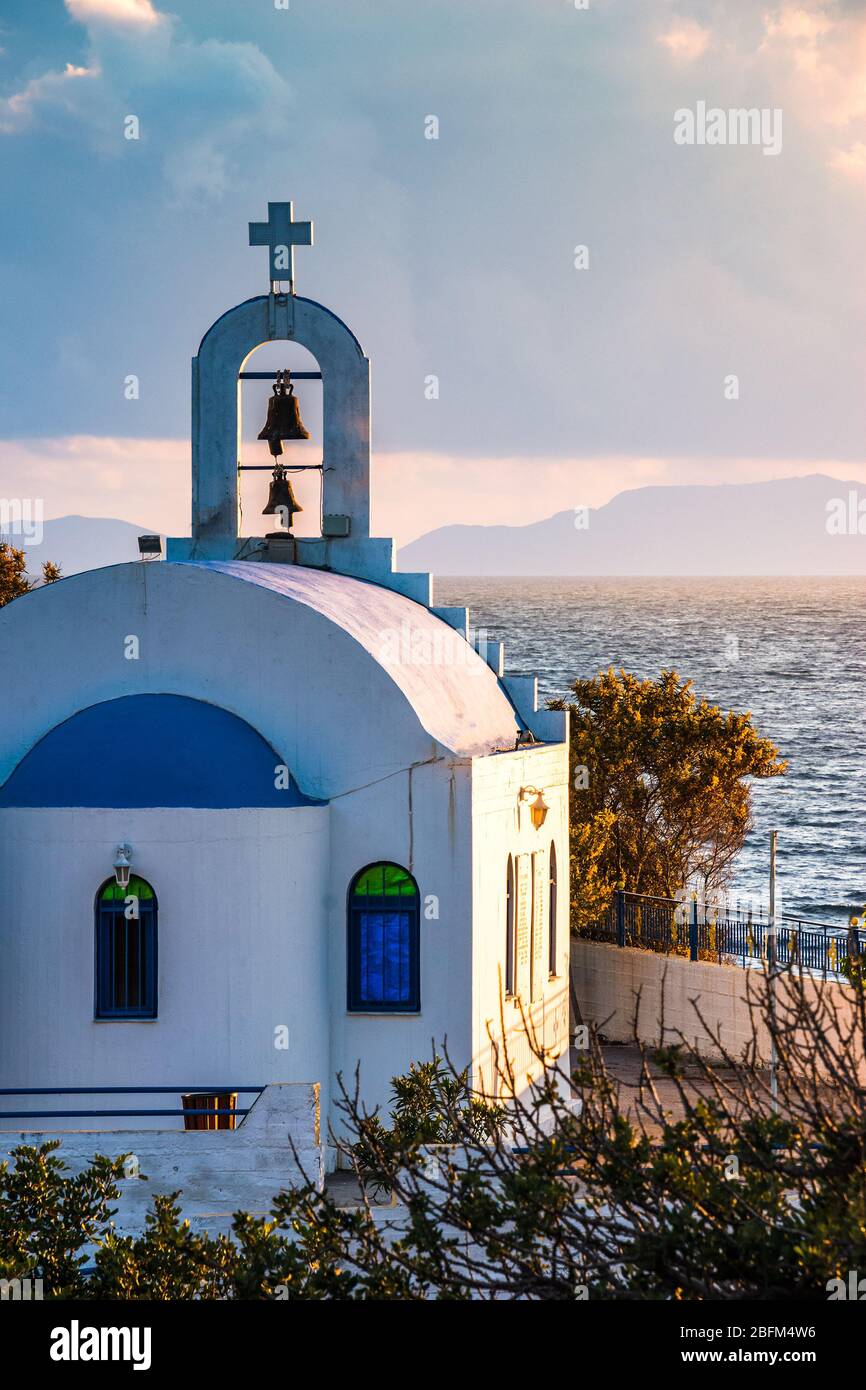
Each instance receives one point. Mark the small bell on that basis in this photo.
(282, 501)
(284, 417)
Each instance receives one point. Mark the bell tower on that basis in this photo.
(345, 544)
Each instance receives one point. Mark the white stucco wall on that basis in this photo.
(502, 826)
(242, 949)
(427, 831)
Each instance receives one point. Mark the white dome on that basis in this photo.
(347, 681)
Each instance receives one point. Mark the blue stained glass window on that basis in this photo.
(385, 956)
(384, 941)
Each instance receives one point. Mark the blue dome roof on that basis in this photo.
(151, 750)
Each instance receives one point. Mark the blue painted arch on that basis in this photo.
(148, 751)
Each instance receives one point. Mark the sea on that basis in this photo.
(790, 651)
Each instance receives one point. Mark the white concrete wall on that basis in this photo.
(695, 999)
(502, 826)
(242, 950)
(219, 1171)
(427, 831)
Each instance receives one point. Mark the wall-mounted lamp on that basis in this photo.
(122, 865)
(539, 808)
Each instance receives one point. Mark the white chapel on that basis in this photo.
(265, 811)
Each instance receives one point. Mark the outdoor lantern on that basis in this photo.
(122, 866)
(539, 808)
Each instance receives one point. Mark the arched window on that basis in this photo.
(384, 941)
(509, 928)
(551, 911)
(126, 950)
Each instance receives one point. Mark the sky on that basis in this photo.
(559, 385)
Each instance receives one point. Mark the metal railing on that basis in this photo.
(725, 932)
(118, 1091)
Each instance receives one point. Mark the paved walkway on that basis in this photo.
(624, 1064)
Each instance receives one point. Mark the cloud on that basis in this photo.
(796, 22)
(852, 162)
(808, 56)
(201, 105)
(686, 40)
(55, 89)
(138, 13)
(819, 50)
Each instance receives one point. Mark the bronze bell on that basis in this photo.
(282, 501)
(284, 417)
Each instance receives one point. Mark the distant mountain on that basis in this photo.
(730, 528)
(78, 543)
(734, 528)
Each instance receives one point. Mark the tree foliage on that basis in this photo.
(431, 1104)
(14, 580)
(661, 787)
(13, 573)
(47, 1216)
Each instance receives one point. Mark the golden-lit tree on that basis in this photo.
(14, 580)
(661, 787)
(13, 573)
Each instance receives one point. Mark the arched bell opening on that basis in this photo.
(224, 353)
(302, 459)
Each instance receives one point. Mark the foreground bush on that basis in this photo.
(741, 1197)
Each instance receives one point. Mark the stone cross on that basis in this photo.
(282, 235)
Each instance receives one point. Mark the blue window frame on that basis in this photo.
(126, 947)
(384, 941)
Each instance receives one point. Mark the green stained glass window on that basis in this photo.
(113, 893)
(385, 881)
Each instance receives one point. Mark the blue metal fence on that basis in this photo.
(119, 1091)
(725, 932)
